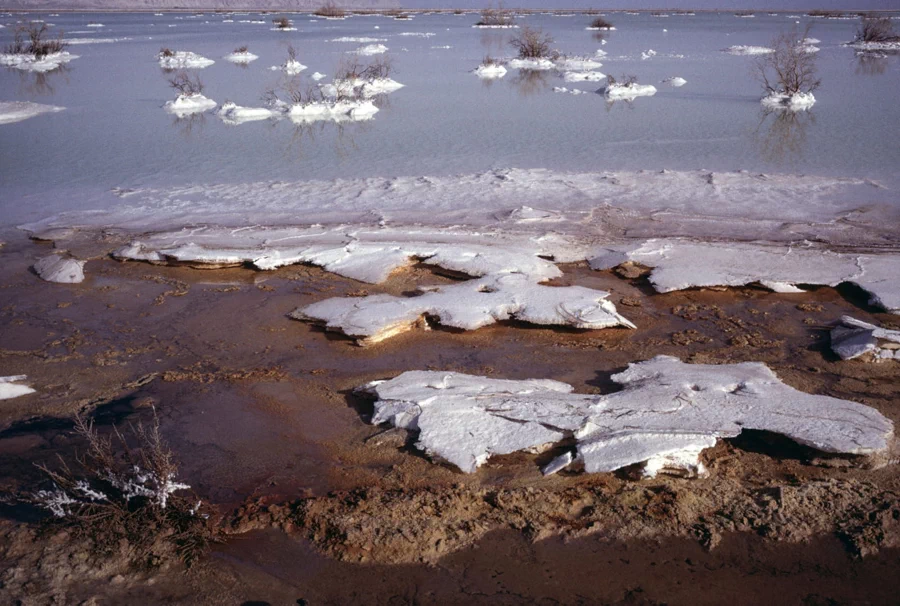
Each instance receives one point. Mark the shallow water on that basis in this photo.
(115, 133)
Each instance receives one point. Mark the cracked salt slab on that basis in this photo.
(666, 414)
(186, 105)
(468, 306)
(853, 338)
(34, 63)
(681, 264)
(13, 387)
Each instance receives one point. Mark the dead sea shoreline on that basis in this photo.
(260, 413)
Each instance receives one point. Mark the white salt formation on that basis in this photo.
(853, 338)
(241, 57)
(680, 264)
(63, 270)
(33, 63)
(489, 71)
(16, 111)
(666, 414)
(13, 387)
(183, 60)
(627, 92)
(468, 306)
(795, 102)
(186, 105)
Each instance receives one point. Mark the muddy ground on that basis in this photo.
(317, 507)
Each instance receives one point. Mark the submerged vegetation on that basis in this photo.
(496, 17)
(532, 44)
(37, 44)
(877, 29)
(330, 9)
(185, 84)
(789, 69)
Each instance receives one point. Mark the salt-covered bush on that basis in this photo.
(120, 495)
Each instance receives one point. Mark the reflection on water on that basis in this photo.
(530, 81)
(781, 135)
(41, 83)
(306, 135)
(599, 36)
(871, 64)
(186, 123)
(494, 41)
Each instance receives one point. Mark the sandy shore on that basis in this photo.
(318, 506)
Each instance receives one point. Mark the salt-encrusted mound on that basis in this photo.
(16, 111)
(494, 70)
(468, 306)
(60, 269)
(234, 114)
(185, 105)
(795, 102)
(540, 64)
(291, 67)
(627, 92)
(183, 60)
(572, 91)
(600, 29)
(583, 76)
(493, 27)
(853, 338)
(681, 264)
(359, 87)
(749, 50)
(676, 81)
(359, 40)
(875, 46)
(241, 57)
(13, 387)
(665, 415)
(577, 64)
(371, 49)
(337, 111)
(33, 63)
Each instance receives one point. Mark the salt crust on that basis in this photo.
(467, 306)
(681, 264)
(13, 387)
(665, 415)
(852, 338)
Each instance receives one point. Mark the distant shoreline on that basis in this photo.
(371, 11)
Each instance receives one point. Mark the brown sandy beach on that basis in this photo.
(317, 504)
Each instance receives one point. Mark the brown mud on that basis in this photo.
(318, 506)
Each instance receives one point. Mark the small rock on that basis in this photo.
(395, 437)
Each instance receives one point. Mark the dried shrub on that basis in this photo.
(876, 29)
(120, 497)
(789, 69)
(496, 16)
(37, 44)
(166, 52)
(292, 52)
(330, 9)
(601, 23)
(291, 92)
(241, 49)
(533, 44)
(351, 68)
(185, 85)
(625, 80)
(488, 60)
(743, 13)
(282, 23)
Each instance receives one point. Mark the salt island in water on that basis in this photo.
(295, 298)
